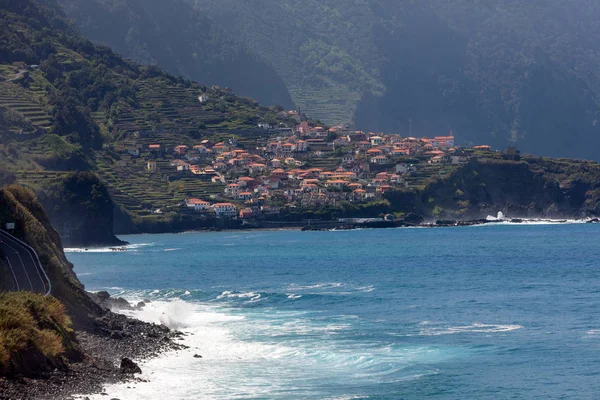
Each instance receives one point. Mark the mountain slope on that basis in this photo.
(514, 72)
(97, 106)
(182, 41)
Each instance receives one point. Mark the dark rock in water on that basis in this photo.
(197, 356)
(103, 295)
(141, 304)
(129, 367)
(121, 303)
(593, 221)
(516, 220)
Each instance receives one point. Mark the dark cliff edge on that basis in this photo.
(533, 187)
(68, 342)
(81, 210)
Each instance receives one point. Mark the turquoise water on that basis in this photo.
(456, 313)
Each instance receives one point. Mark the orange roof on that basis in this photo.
(196, 201)
(154, 146)
(245, 179)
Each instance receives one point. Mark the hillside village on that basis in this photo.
(305, 166)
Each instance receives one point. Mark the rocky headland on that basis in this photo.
(71, 342)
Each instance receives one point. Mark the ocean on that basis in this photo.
(483, 312)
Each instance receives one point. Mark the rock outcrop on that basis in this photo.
(81, 209)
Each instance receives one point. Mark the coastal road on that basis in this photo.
(24, 265)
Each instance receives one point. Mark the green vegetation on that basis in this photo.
(20, 206)
(93, 95)
(32, 325)
(500, 74)
(180, 40)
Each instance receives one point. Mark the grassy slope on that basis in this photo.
(35, 334)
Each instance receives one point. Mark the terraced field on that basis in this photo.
(332, 103)
(35, 179)
(26, 104)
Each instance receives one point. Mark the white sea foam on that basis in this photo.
(428, 330)
(235, 295)
(114, 249)
(316, 286)
(501, 219)
(244, 358)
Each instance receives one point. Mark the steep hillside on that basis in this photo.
(32, 225)
(91, 95)
(532, 187)
(182, 41)
(514, 72)
(67, 105)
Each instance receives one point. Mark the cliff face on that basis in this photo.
(533, 187)
(81, 210)
(19, 205)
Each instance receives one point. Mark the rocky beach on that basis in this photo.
(112, 347)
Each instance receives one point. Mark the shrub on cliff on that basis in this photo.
(35, 334)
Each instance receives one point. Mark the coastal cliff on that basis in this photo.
(81, 210)
(70, 338)
(532, 187)
(32, 225)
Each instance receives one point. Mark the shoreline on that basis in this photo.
(114, 338)
(398, 224)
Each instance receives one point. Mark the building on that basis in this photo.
(245, 195)
(246, 213)
(225, 210)
(197, 204)
(376, 141)
(180, 150)
(151, 166)
(338, 183)
(233, 189)
(379, 160)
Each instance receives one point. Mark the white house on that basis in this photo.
(376, 141)
(197, 204)
(225, 210)
(379, 160)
